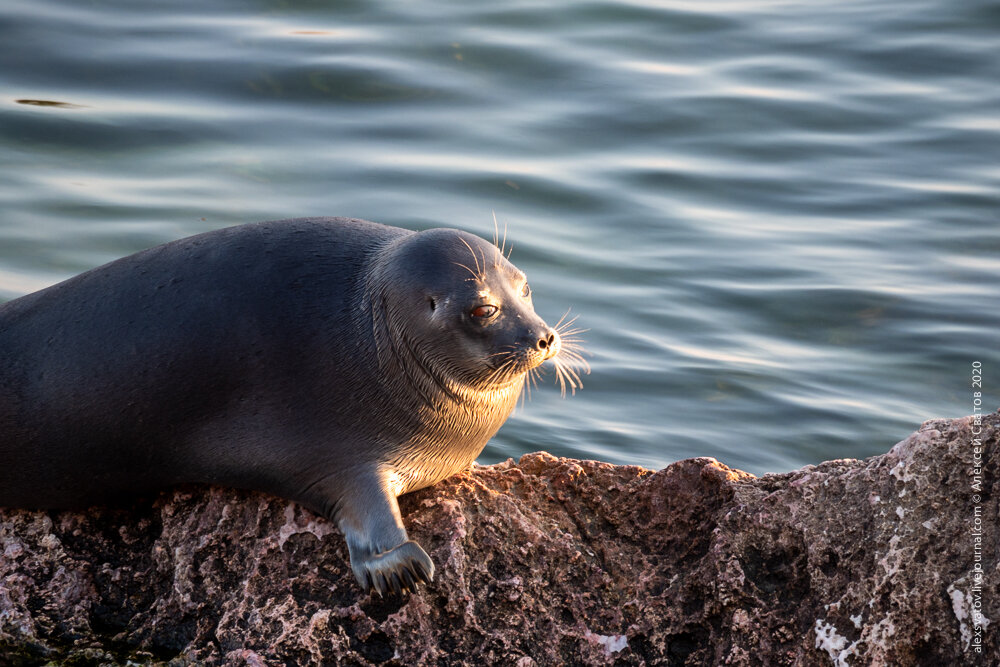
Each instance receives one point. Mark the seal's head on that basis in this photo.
(469, 319)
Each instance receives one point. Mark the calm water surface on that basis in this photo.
(778, 220)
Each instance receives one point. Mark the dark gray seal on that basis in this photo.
(335, 362)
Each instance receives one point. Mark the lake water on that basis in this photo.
(778, 220)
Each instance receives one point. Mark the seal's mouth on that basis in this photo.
(523, 363)
(510, 365)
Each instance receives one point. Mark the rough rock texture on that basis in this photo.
(547, 561)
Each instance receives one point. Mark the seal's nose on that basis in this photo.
(548, 343)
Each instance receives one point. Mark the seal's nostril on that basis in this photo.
(542, 343)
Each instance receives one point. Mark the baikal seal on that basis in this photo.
(335, 362)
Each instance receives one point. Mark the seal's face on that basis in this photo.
(472, 316)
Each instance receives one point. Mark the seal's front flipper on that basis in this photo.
(382, 557)
(397, 570)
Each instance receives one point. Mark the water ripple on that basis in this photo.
(777, 218)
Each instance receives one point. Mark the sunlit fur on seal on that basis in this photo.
(332, 361)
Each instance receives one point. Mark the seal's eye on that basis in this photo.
(526, 291)
(484, 312)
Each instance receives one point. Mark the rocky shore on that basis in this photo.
(546, 561)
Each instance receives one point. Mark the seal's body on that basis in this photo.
(332, 361)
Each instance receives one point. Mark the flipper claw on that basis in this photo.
(397, 570)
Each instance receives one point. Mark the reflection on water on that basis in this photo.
(777, 220)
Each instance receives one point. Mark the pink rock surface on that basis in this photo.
(548, 561)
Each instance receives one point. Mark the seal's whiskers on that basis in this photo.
(501, 244)
(480, 271)
(475, 276)
(569, 363)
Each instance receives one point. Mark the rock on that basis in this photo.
(544, 562)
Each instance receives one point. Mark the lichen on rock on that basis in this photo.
(890, 560)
